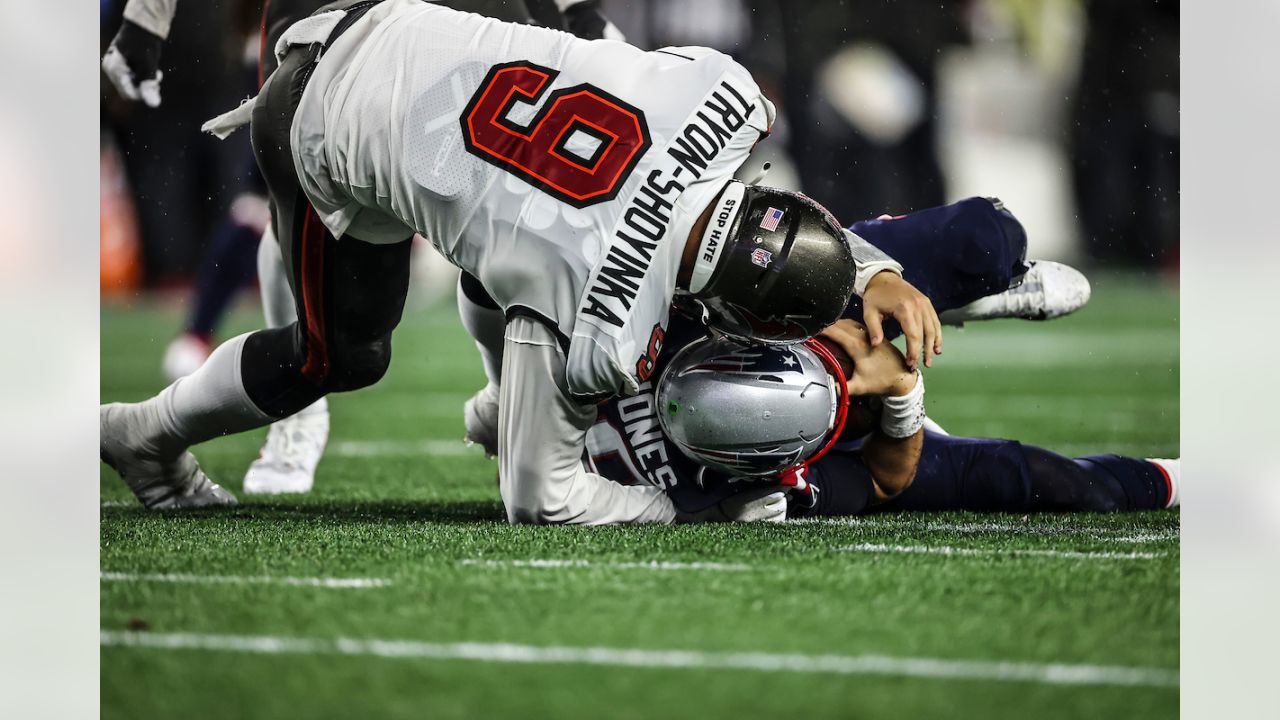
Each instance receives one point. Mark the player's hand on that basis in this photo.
(889, 296)
(877, 371)
(132, 64)
(754, 504)
(766, 504)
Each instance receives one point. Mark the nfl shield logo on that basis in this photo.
(761, 257)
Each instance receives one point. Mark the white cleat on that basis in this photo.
(185, 355)
(287, 463)
(480, 417)
(1172, 471)
(159, 484)
(1049, 290)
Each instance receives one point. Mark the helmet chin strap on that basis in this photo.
(716, 235)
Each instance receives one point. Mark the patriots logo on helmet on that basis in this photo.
(749, 360)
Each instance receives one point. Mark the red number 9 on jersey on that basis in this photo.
(580, 147)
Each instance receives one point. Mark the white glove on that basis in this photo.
(132, 61)
(758, 504)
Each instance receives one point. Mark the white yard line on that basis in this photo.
(920, 667)
(650, 565)
(324, 582)
(977, 552)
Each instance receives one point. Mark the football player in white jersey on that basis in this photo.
(583, 184)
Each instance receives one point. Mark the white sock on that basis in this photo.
(488, 327)
(273, 284)
(206, 404)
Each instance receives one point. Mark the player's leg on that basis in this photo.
(969, 258)
(990, 475)
(289, 457)
(350, 297)
(487, 324)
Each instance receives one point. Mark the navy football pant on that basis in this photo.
(954, 254)
(987, 475)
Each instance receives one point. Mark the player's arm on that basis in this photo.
(885, 294)
(132, 61)
(892, 462)
(541, 436)
(892, 453)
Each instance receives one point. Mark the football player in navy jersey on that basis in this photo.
(961, 255)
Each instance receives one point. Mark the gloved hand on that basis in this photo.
(755, 504)
(132, 64)
(803, 494)
(584, 19)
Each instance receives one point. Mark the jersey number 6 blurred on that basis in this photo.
(580, 147)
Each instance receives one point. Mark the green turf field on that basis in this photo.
(396, 590)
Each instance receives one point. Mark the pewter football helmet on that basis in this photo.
(773, 266)
(751, 409)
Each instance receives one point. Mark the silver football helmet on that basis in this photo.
(751, 409)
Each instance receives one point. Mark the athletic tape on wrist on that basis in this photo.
(903, 416)
(716, 235)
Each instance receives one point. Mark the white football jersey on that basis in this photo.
(564, 173)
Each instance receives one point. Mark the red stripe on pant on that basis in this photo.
(316, 368)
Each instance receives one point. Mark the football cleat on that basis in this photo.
(480, 417)
(1172, 471)
(287, 463)
(1048, 290)
(185, 355)
(158, 483)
